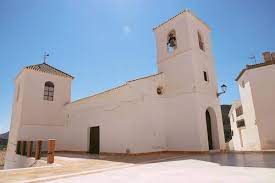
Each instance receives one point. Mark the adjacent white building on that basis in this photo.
(176, 109)
(238, 126)
(257, 88)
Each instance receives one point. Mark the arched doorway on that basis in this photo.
(209, 130)
(212, 129)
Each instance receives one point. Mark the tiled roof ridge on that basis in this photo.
(55, 71)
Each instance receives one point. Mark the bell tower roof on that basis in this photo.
(183, 12)
(46, 68)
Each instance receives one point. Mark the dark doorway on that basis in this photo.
(94, 140)
(209, 129)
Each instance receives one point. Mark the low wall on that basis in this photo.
(2, 157)
(29, 153)
(26, 162)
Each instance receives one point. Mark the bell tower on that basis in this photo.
(184, 53)
(185, 58)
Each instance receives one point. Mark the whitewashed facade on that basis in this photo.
(162, 112)
(257, 88)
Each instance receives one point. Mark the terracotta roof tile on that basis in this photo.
(48, 69)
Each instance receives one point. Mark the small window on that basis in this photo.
(240, 123)
(205, 76)
(49, 91)
(243, 84)
(239, 111)
(201, 43)
(171, 41)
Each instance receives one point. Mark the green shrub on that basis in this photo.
(3, 147)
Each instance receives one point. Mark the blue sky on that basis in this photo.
(104, 43)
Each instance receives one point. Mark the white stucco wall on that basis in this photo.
(34, 118)
(46, 112)
(258, 99)
(130, 117)
(245, 138)
(256, 91)
(238, 138)
(10, 159)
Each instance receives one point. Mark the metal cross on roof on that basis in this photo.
(45, 57)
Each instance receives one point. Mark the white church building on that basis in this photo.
(177, 109)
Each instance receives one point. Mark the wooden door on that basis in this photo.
(94, 140)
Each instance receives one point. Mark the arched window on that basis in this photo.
(171, 41)
(49, 91)
(201, 43)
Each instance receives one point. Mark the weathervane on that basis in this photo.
(253, 58)
(45, 57)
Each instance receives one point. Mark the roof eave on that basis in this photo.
(240, 75)
(63, 73)
(184, 11)
(68, 75)
(26, 69)
(115, 88)
(255, 66)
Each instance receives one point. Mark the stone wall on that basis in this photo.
(2, 157)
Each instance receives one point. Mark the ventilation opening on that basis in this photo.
(205, 75)
(160, 90)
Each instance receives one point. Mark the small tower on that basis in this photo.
(45, 92)
(41, 92)
(184, 56)
(184, 53)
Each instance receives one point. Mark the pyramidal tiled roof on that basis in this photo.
(48, 69)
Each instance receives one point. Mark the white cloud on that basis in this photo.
(127, 29)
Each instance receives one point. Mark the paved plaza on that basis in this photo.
(250, 167)
(163, 167)
(72, 164)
